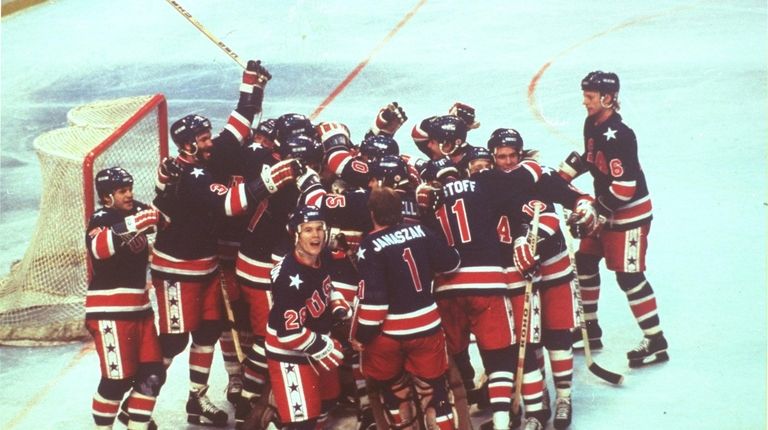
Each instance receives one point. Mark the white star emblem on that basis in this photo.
(99, 213)
(197, 172)
(296, 281)
(610, 134)
(254, 146)
(361, 253)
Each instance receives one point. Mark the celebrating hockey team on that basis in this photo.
(351, 278)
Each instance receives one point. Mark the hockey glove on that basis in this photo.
(466, 113)
(339, 307)
(571, 167)
(141, 221)
(525, 261)
(168, 172)
(255, 77)
(389, 119)
(308, 179)
(584, 218)
(428, 198)
(331, 355)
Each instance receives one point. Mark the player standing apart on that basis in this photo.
(118, 312)
(610, 155)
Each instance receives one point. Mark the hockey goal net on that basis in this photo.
(42, 300)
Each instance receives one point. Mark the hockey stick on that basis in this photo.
(523, 342)
(604, 374)
(179, 8)
(231, 318)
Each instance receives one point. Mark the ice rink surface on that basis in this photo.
(693, 89)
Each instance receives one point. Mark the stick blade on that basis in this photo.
(606, 375)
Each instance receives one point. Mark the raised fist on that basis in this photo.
(307, 179)
(168, 172)
(389, 119)
(281, 173)
(333, 135)
(428, 198)
(256, 74)
(466, 113)
(255, 77)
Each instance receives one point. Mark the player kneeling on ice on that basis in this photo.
(397, 326)
(118, 313)
(302, 358)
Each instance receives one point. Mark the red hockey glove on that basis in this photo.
(466, 113)
(277, 176)
(255, 77)
(584, 216)
(389, 119)
(331, 355)
(525, 261)
(339, 306)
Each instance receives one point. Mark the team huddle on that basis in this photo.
(327, 270)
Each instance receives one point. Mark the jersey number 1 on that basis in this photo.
(408, 257)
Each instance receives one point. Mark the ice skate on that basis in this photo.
(532, 423)
(200, 409)
(234, 388)
(563, 411)
(124, 417)
(594, 333)
(652, 349)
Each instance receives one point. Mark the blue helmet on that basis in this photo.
(391, 170)
(440, 170)
(186, 129)
(304, 148)
(375, 147)
(292, 125)
(108, 180)
(505, 137)
(303, 214)
(602, 82)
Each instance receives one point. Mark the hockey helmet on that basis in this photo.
(440, 170)
(304, 148)
(290, 125)
(304, 214)
(108, 180)
(266, 128)
(474, 153)
(450, 132)
(186, 129)
(505, 137)
(602, 82)
(375, 147)
(391, 171)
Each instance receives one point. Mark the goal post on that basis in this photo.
(42, 300)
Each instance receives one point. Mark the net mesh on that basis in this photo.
(42, 300)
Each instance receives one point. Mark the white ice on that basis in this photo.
(693, 89)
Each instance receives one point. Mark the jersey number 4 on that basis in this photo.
(460, 212)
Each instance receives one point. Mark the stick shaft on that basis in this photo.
(231, 318)
(523, 341)
(179, 8)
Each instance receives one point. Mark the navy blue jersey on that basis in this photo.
(469, 217)
(117, 289)
(397, 265)
(610, 152)
(300, 312)
(193, 205)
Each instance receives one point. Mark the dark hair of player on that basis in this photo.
(385, 206)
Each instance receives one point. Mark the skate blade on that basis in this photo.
(203, 421)
(658, 357)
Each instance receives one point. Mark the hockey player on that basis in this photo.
(551, 272)
(396, 325)
(184, 263)
(265, 239)
(301, 356)
(610, 156)
(118, 313)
